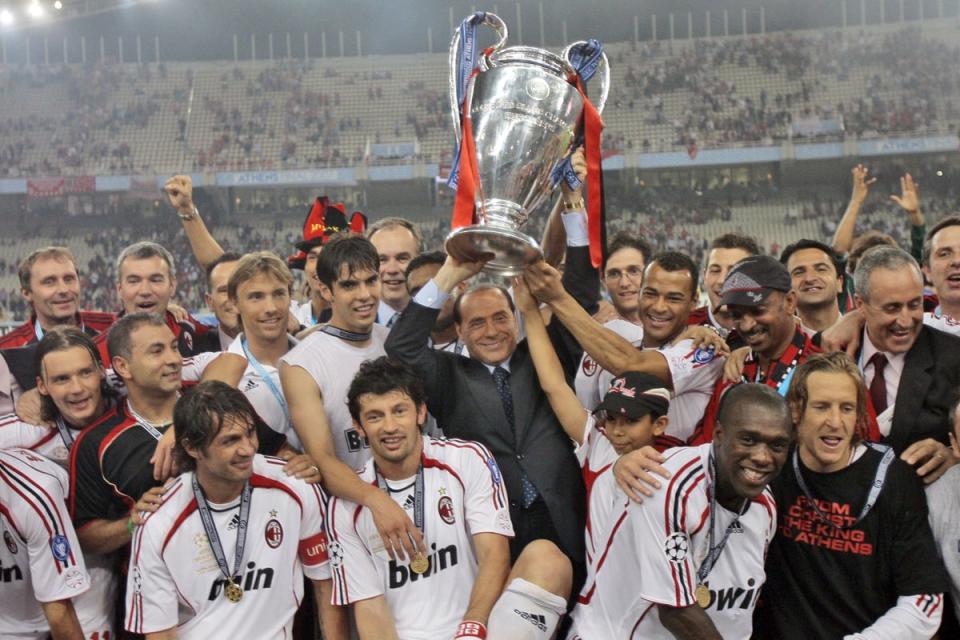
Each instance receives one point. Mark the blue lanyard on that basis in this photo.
(267, 379)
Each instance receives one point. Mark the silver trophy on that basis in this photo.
(524, 115)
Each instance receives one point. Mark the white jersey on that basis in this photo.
(40, 559)
(463, 496)
(939, 320)
(95, 606)
(654, 549)
(261, 395)
(174, 580)
(332, 362)
(592, 381)
(694, 373)
(596, 457)
(303, 312)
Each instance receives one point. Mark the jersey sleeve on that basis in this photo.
(661, 530)
(692, 370)
(151, 596)
(15, 433)
(313, 536)
(56, 562)
(355, 575)
(195, 365)
(485, 497)
(90, 495)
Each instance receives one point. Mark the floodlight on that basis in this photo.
(34, 10)
(6, 17)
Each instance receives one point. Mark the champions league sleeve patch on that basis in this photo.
(494, 470)
(60, 547)
(676, 547)
(703, 356)
(335, 552)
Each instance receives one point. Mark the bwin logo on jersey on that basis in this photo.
(734, 597)
(400, 574)
(252, 580)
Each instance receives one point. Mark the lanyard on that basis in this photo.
(343, 334)
(875, 488)
(267, 379)
(65, 433)
(210, 528)
(713, 554)
(149, 428)
(417, 497)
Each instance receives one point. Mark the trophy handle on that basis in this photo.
(491, 20)
(604, 69)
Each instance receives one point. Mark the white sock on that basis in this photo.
(525, 611)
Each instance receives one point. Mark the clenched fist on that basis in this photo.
(179, 190)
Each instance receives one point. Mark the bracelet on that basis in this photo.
(471, 629)
(578, 205)
(186, 217)
(130, 525)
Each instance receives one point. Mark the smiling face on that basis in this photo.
(750, 453)
(488, 327)
(827, 424)
(391, 423)
(719, 263)
(145, 285)
(768, 327)
(814, 278)
(71, 378)
(218, 300)
(396, 247)
(622, 276)
(894, 310)
(627, 435)
(353, 299)
(228, 459)
(54, 290)
(263, 302)
(666, 300)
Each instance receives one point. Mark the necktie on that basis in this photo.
(502, 379)
(878, 386)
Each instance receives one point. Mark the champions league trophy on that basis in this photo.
(521, 107)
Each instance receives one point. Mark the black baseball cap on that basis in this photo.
(752, 280)
(634, 395)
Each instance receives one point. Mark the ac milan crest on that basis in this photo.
(273, 534)
(589, 366)
(8, 539)
(445, 509)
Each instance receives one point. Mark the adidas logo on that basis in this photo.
(536, 619)
(234, 522)
(409, 503)
(736, 527)
(251, 384)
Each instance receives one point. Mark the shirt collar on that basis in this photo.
(505, 365)
(894, 360)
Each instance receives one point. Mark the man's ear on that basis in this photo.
(121, 367)
(325, 292)
(660, 425)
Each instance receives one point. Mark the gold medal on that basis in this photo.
(420, 564)
(702, 595)
(233, 592)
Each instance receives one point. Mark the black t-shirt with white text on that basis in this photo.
(826, 582)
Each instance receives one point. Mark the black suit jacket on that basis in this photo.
(929, 384)
(463, 397)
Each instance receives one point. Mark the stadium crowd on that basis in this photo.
(414, 450)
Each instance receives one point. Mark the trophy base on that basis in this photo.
(512, 250)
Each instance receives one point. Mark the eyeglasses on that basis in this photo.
(632, 272)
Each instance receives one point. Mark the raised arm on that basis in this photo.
(400, 536)
(610, 350)
(909, 201)
(206, 249)
(843, 237)
(563, 400)
(554, 234)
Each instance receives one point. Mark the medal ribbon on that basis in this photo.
(65, 433)
(417, 497)
(149, 428)
(267, 379)
(713, 554)
(878, 481)
(210, 528)
(349, 336)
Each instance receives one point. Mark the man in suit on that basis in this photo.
(493, 396)
(911, 370)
